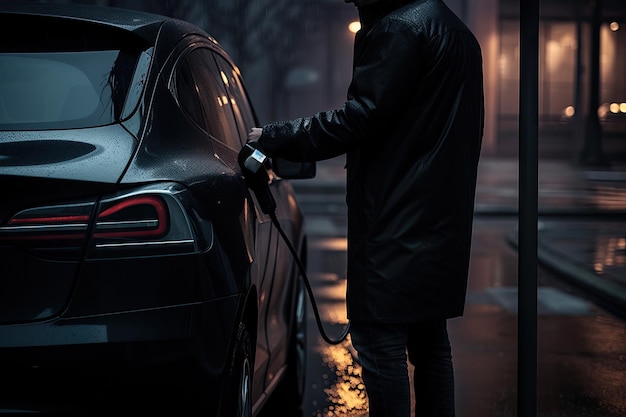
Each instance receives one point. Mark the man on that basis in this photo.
(412, 128)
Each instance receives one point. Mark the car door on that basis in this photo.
(227, 121)
(280, 264)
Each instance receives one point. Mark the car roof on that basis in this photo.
(145, 25)
(142, 23)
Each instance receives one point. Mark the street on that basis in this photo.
(581, 345)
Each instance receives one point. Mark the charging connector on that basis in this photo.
(252, 162)
(255, 161)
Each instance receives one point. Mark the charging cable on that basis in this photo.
(308, 287)
(252, 162)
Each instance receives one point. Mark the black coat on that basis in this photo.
(412, 128)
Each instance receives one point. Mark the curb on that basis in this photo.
(604, 289)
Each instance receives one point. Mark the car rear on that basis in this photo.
(100, 285)
(63, 148)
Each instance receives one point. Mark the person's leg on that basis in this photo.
(381, 350)
(430, 353)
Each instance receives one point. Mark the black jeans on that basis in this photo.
(382, 349)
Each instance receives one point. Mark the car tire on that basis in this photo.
(238, 400)
(288, 398)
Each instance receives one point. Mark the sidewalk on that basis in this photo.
(590, 251)
(563, 189)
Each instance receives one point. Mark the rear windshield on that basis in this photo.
(65, 75)
(62, 89)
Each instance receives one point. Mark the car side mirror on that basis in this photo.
(293, 170)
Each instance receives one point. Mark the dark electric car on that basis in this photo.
(137, 270)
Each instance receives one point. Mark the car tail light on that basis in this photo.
(148, 222)
(55, 231)
(145, 223)
(139, 217)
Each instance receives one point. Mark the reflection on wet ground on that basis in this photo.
(344, 389)
(611, 252)
(339, 390)
(591, 254)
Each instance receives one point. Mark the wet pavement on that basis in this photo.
(582, 347)
(582, 220)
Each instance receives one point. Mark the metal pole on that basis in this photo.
(579, 121)
(592, 153)
(528, 208)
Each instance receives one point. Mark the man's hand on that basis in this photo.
(255, 134)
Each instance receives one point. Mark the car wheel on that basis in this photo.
(288, 397)
(238, 402)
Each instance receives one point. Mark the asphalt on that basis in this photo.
(581, 228)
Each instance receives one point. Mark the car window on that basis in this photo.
(199, 75)
(187, 94)
(57, 73)
(238, 98)
(40, 90)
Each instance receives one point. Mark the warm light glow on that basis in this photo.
(554, 55)
(599, 268)
(622, 107)
(222, 101)
(570, 111)
(354, 27)
(568, 41)
(603, 110)
(504, 64)
(346, 396)
(224, 78)
(614, 108)
(334, 244)
(614, 26)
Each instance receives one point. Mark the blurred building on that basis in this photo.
(582, 76)
(296, 58)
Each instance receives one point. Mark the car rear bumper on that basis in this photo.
(144, 358)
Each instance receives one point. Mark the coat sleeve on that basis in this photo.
(388, 62)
